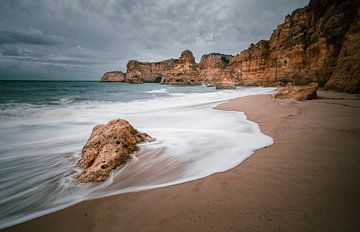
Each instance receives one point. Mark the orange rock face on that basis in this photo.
(114, 76)
(108, 147)
(140, 72)
(174, 71)
(317, 43)
(214, 68)
(306, 47)
(185, 71)
(346, 76)
(300, 93)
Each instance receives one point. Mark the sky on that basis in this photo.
(82, 39)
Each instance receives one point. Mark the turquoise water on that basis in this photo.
(43, 126)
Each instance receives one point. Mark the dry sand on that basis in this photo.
(308, 180)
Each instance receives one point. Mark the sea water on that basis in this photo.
(44, 125)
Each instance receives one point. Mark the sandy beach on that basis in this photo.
(308, 180)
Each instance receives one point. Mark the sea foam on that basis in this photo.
(40, 145)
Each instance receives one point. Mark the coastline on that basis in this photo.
(309, 179)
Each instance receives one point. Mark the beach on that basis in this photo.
(308, 180)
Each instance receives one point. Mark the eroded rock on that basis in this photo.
(213, 68)
(108, 147)
(113, 76)
(173, 71)
(346, 76)
(305, 48)
(316, 43)
(300, 93)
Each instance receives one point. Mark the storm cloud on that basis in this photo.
(79, 40)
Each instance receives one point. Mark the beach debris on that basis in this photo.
(300, 93)
(108, 146)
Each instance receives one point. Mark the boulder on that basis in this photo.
(108, 147)
(300, 93)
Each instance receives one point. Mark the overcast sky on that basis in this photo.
(79, 40)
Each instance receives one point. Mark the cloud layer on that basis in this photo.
(75, 39)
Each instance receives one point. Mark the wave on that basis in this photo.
(39, 147)
(158, 91)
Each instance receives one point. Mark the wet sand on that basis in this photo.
(308, 180)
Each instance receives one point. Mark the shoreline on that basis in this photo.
(309, 179)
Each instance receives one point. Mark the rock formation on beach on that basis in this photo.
(114, 76)
(301, 93)
(108, 147)
(318, 43)
(214, 68)
(174, 71)
(185, 71)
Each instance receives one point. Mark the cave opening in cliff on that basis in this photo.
(156, 79)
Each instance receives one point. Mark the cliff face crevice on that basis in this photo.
(317, 43)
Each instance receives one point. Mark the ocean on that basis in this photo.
(44, 124)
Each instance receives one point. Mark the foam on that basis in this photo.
(40, 146)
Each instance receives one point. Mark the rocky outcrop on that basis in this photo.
(300, 93)
(140, 72)
(108, 147)
(317, 43)
(251, 67)
(113, 76)
(214, 68)
(174, 71)
(305, 48)
(185, 71)
(346, 76)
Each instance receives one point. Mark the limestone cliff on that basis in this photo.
(114, 76)
(173, 71)
(214, 68)
(306, 48)
(346, 76)
(318, 43)
(140, 72)
(185, 71)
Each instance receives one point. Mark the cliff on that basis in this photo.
(114, 76)
(173, 71)
(346, 76)
(214, 68)
(318, 43)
